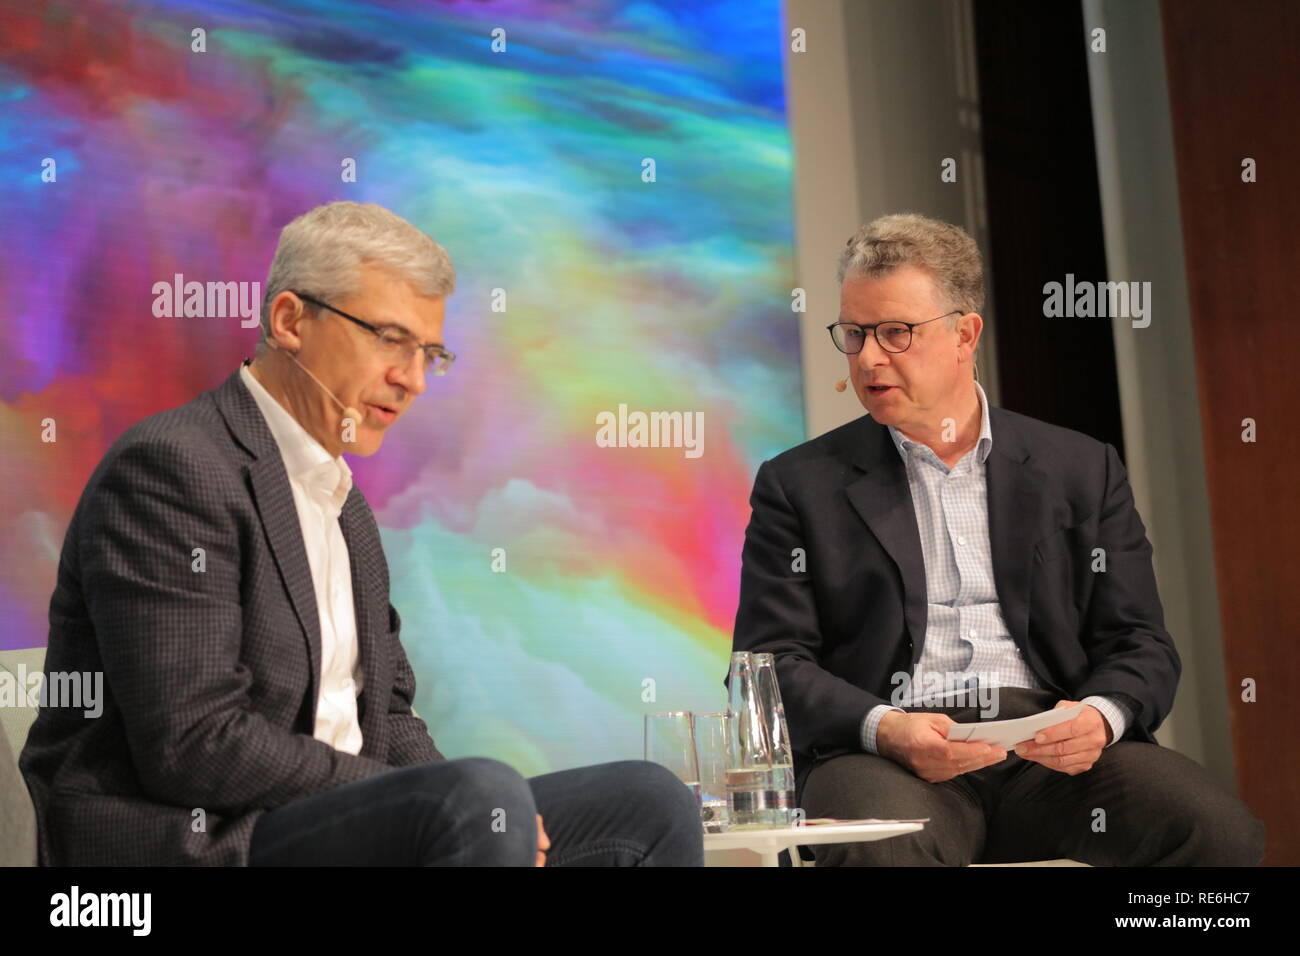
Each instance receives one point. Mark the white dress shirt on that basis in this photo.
(966, 637)
(320, 486)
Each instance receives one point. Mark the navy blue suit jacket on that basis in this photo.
(856, 613)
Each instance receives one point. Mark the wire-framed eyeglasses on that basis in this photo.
(849, 337)
(393, 342)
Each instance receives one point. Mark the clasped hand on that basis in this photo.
(920, 743)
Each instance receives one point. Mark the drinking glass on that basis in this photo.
(670, 741)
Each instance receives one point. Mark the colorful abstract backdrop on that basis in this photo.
(528, 164)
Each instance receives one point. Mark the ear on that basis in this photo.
(287, 312)
(969, 329)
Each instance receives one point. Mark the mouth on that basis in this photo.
(383, 413)
(880, 389)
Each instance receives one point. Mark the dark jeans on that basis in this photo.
(480, 812)
(1139, 805)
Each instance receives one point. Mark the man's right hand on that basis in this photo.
(919, 742)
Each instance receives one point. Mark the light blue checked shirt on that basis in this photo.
(966, 638)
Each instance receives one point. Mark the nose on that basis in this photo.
(869, 359)
(411, 375)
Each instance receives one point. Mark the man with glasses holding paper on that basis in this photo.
(937, 554)
(228, 579)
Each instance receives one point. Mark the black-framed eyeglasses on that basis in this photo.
(392, 342)
(849, 337)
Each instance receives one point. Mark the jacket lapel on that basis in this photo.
(1018, 513)
(881, 497)
(274, 501)
(361, 534)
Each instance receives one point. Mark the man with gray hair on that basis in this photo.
(961, 563)
(227, 577)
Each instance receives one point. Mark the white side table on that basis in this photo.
(769, 843)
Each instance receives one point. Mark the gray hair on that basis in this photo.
(321, 253)
(945, 251)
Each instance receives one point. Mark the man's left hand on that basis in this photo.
(1070, 747)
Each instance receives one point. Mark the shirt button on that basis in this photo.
(961, 540)
(972, 632)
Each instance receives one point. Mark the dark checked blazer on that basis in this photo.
(857, 614)
(211, 677)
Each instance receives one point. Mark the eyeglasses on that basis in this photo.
(849, 337)
(393, 343)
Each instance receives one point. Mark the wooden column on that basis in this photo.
(1234, 90)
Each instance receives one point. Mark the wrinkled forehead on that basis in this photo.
(904, 295)
(398, 305)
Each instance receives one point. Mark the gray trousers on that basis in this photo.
(1139, 805)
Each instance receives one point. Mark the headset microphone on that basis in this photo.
(348, 410)
(841, 385)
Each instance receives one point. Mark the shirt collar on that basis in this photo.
(982, 447)
(305, 459)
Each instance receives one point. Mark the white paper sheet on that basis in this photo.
(1007, 733)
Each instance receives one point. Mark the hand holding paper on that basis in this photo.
(1007, 733)
(1069, 739)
